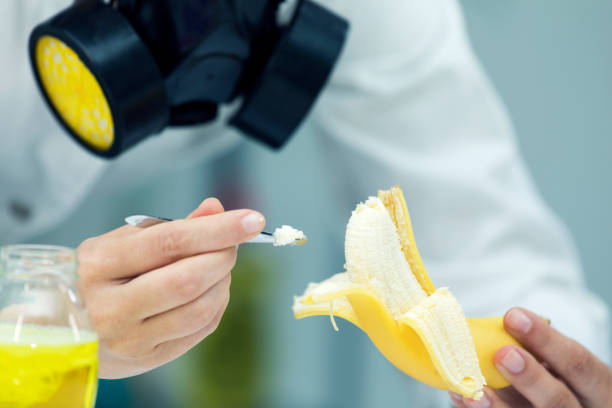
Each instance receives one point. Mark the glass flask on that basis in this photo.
(48, 350)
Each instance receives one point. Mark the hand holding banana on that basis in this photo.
(422, 330)
(568, 375)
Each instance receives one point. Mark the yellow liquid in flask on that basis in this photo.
(46, 367)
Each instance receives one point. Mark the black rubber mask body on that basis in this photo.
(166, 63)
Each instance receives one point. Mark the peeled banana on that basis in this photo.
(387, 293)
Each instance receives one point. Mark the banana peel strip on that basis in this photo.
(402, 341)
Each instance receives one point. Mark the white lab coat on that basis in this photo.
(407, 104)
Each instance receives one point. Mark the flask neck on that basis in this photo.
(26, 262)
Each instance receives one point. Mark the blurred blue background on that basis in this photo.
(552, 64)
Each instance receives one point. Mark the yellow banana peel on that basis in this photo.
(421, 339)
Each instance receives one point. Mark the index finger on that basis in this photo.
(163, 244)
(584, 373)
(209, 206)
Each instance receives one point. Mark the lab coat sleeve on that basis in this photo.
(408, 104)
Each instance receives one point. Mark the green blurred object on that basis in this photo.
(227, 368)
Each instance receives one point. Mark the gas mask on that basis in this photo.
(116, 72)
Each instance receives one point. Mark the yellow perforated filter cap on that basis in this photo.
(74, 92)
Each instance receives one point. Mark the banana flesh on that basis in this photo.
(387, 293)
(374, 258)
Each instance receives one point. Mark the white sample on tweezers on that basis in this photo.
(287, 235)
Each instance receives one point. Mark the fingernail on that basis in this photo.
(518, 321)
(483, 402)
(455, 397)
(254, 222)
(513, 362)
